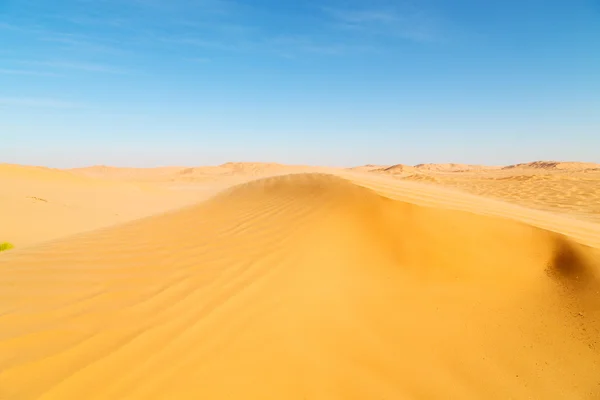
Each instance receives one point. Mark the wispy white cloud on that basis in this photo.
(329, 39)
(83, 43)
(26, 72)
(413, 24)
(364, 16)
(86, 20)
(75, 41)
(231, 33)
(86, 67)
(293, 44)
(288, 46)
(21, 29)
(37, 102)
(212, 6)
(222, 44)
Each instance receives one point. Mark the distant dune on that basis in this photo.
(403, 168)
(174, 174)
(27, 172)
(396, 169)
(450, 167)
(368, 167)
(307, 286)
(40, 204)
(555, 165)
(103, 171)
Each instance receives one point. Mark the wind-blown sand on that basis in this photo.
(347, 285)
(40, 204)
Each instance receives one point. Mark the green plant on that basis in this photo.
(6, 246)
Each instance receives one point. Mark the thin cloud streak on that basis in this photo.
(223, 37)
(38, 102)
(212, 6)
(8, 27)
(26, 72)
(85, 20)
(83, 43)
(288, 46)
(308, 44)
(415, 25)
(86, 67)
(209, 44)
(76, 41)
(363, 16)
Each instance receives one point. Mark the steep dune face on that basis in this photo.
(303, 287)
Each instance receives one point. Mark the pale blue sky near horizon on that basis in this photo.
(329, 82)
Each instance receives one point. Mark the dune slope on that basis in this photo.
(302, 287)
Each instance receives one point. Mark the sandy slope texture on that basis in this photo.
(307, 286)
(572, 192)
(571, 188)
(40, 204)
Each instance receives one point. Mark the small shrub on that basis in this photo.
(6, 246)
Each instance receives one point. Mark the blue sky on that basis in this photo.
(330, 82)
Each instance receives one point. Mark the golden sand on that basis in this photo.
(337, 285)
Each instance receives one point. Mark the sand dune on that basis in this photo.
(368, 167)
(189, 174)
(306, 286)
(555, 165)
(444, 167)
(108, 172)
(396, 169)
(576, 193)
(451, 167)
(561, 187)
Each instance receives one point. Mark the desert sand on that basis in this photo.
(267, 281)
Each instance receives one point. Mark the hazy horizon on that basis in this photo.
(175, 165)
